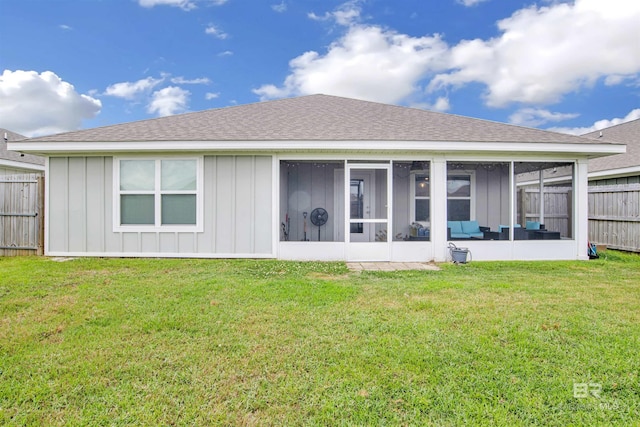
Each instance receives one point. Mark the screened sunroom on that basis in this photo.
(393, 209)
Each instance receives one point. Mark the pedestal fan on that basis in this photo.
(319, 217)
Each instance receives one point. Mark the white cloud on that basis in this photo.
(441, 104)
(346, 14)
(616, 79)
(168, 101)
(600, 124)
(470, 3)
(280, 7)
(34, 104)
(182, 4)
(65, 27)
(211, 95)
(540, 55)
(216, 32)
(197, 81)
(366, 63)
(544, 53)
(130, 90)
(533, 117)
(225, 53)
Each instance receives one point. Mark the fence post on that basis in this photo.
(41, 214)
(570, 218)
(523, 207)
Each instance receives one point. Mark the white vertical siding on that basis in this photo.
(263, 190)
(237, 211)
(77, 205)
(224, 204)
(95, 203)
(243, 212)
(492, 197)
(58, 209)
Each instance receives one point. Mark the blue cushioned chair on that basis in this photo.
(532, 225)
(465, 230)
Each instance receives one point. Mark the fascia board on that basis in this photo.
(615, 173)
(591, 150)
(611, 173)
(21, 165)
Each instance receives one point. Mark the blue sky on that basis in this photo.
(572, 66)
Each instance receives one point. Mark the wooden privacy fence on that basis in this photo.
(557, 208)
(614, 216)
(21, 215)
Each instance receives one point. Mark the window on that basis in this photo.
(421, 198)
(459, 197)
(158, 193)
(411, 200)
(357, 207)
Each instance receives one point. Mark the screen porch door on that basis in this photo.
(368, 214)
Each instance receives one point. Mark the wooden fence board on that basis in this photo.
(614, 216)
(557, 208)
(21, 215)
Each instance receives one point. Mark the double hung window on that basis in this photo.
(420, 195)
(158, 194)
(460, 205)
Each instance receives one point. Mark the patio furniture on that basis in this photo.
(527, 233)
(496, 235)
(544, 235)
(465, 230)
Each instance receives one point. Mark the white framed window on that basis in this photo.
(461, 192)
(163, 194)
(420, 197)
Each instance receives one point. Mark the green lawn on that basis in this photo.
(209, 342)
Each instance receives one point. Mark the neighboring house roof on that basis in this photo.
(295, 123)
(621, 164)
(15, 159)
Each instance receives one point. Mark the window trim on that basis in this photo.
(472, 196)
(413, 197)
(158, 192)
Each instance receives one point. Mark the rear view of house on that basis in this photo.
(315, 177)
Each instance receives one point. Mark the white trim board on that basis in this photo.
(160, 255)
(615, 173)
(88, 148)
(21, 165)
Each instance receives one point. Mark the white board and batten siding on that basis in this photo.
(237, 214)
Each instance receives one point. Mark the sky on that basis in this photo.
(569, 66)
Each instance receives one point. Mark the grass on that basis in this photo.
(245, 342)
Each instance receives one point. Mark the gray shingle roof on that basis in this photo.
(313, 118)
(15, 156)
(625, 133)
